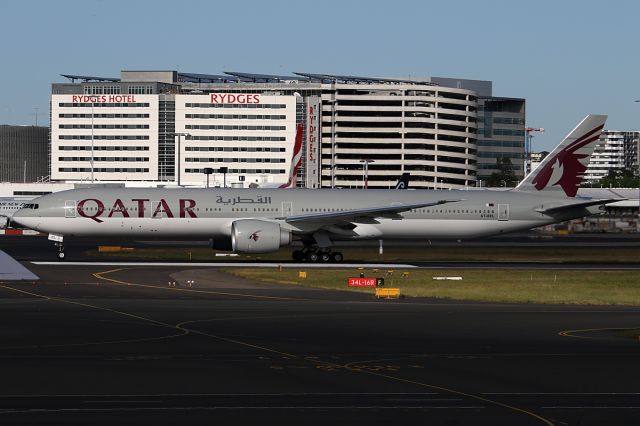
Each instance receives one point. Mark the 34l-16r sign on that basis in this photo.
(365, 282)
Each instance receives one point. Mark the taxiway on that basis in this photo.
(104, 345)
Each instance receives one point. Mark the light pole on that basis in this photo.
(224, 171)
(208, 171)
(179, 164)
(366, 162)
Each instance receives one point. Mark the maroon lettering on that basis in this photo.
(162, 207)
(122, 98)
(94, 214)
(118, 207)
(88, 99)
(229, 98)
(186, 207)
(141, 202)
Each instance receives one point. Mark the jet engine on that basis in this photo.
(258, 236)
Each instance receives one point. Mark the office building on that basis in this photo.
(146, 125)
(24, 153)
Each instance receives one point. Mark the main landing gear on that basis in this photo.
(314, 254)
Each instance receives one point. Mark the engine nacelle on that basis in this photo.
(258, 236)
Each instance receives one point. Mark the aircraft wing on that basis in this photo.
(369, 212)
(587, 203)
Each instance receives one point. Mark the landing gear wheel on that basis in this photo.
(297, 255)
(325, 257)
(312, 256)
(336, 257)
(61, 255)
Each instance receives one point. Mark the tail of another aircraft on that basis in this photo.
(403, 181)
(563, 169)
(296, 160)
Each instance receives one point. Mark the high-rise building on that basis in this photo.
(632, 152)
(24, 153)
(614, 152)
(146, 125)
(501, 126)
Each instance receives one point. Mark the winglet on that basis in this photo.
(563, 169)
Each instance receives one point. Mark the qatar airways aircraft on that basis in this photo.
(264, 220)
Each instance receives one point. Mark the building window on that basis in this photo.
(145, 89)
(102, 90)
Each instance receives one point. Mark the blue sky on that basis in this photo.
(567, 58)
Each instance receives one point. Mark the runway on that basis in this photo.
(569, 266)
(104, 345)
(40, 251)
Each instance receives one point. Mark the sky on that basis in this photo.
(566, 58)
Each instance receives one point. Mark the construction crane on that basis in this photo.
(527, 147)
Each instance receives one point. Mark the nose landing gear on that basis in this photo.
(58, 242)
(60, 254)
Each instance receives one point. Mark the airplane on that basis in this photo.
(8, 206)
(264, 220)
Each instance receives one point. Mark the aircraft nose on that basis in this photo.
(25, 218)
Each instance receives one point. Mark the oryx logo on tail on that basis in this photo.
(568, 166)
(565, 166)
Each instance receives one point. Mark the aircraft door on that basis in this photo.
(70, 208)
(287, 209)
(503, 211)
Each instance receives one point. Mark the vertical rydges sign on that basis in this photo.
(312, 160)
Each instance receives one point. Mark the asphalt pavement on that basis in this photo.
(39, 249)
(119, 345)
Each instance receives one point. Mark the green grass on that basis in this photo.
(631, 333)
(517, 286)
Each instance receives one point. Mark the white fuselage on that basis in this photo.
(209, 213)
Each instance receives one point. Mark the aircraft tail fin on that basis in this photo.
(296, 160)
(563, 169)
(403, 181)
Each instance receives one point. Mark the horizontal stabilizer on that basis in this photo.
(589, 203)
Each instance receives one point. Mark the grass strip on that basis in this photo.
(512, 286)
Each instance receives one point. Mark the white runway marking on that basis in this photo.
(231, 264)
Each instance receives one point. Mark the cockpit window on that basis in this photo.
(31, 206)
